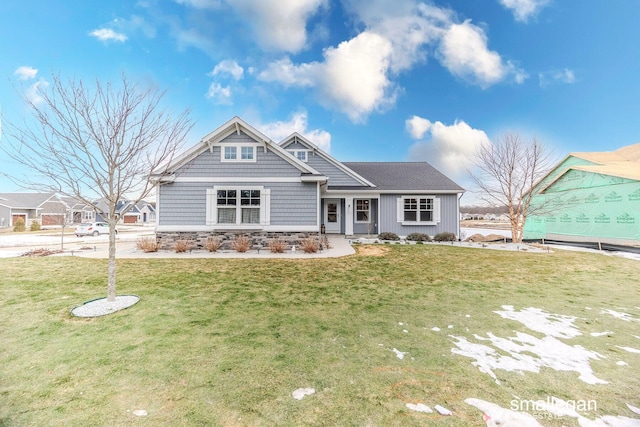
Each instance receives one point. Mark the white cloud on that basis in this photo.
(219, 94)
(524, 9)
(352, 79)
(26, 73)
(33, 93)
(358, 76)
(450, 148)
(279, 25)
(298, 122)
(230, 67)
(464, 52)
(565, 75)
(107, 34)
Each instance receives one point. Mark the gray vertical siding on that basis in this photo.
(184, 203)
(449, 216)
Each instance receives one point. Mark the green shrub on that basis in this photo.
(19, 225)
(35, 226)
(418, 237)
(388, 236)
(445, 236)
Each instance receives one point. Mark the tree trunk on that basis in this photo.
(111, 269)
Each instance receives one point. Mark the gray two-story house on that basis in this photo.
(236, 180)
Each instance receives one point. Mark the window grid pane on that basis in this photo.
(230, 153)
(246, 153)
(250, 215)
(226, 215)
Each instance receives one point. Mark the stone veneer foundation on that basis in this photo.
(167, 240)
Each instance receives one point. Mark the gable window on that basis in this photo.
(362, 210)
(238, 206)
(246, 153)
(299, 154)
(230, 153)
(238, 153)
(418, 210)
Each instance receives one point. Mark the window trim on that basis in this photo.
(435, 209)
(356, 210)
(263, 208)
(239, 148)
(296, 154)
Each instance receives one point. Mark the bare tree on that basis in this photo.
(506, 173)
(93, 142)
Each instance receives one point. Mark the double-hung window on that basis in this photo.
(238, 206)
(362, 210)
(418, 210)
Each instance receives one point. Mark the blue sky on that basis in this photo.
(367, 80)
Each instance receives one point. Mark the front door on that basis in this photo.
(332, 215)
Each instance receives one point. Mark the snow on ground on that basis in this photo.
(555, 325)
(600, 334)
(550, 352)
(526, 353)
(497, 416)
(620, 315)
(629, 349)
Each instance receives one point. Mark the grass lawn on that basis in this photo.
(226, 342)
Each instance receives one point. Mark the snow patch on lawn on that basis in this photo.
(549, 350)
(620, 315)
(419, 407)
(555, 325)
(495, 415)
(300, 393)
(399, 354)
(629, 349)
(526, 353)
(600, 334)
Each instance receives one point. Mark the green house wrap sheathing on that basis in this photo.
(580, 205)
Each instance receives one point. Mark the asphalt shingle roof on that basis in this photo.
(24, 200)
(402, 176)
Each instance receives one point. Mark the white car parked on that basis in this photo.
(92, 229)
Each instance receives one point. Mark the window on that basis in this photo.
(419, 210)
(238, 206)
(246, 153)
(299, 154)
(250, 206)
(230, 153)
(227, 203)
(362, 210)
(238, 153)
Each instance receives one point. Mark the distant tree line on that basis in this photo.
(496, 210)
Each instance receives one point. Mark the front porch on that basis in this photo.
(350, 215)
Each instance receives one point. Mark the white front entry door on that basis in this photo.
(332, 215)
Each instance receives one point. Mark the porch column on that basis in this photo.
(348, 216)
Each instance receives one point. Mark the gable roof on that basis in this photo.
(237, 125)
(404, 176)
(25, 200)
(623, 163)
(296, 137)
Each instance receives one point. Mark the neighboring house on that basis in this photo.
(46, 208)
(238, 181)
(79, 211)
(142, 212)
(590, 197)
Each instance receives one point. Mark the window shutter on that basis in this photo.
(265, 206)
(399, 209)
(436, 209)
(211, 209)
